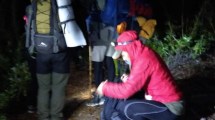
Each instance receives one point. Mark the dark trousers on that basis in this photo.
(136, 110)
(52, 74)
(48, 63)
(99, 71)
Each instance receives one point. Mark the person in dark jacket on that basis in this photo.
(100, 37)
(148, 72)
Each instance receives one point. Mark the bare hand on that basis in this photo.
(124, 77)
(100, 87)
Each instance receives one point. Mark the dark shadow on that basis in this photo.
(71, 106)
(199, 94)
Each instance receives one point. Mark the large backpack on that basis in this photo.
(43, 31)
(115, 11)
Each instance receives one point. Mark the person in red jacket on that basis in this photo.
(148, 72)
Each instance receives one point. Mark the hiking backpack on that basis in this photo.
(43, 31)
(114, 12)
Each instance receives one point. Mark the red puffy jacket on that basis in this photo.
(148, 73)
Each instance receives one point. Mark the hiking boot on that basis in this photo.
(31, 109)
(101, 101)
(96, 101)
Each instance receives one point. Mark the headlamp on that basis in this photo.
(121, 43)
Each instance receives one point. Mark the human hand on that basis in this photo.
(100, 87)
(124, 77)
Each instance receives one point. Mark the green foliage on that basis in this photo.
(177, 50)
(5, 98)
(8, 57)
(2, 117)
(184, 46)
(4, 63)
(4, 67)
(200, 46)
(170, 45)
(188, 41)
(14, 78)
(18, 78)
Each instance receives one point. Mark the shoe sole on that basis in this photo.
(93, 105)
(31, 111)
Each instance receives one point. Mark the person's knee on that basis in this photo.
(116, 116)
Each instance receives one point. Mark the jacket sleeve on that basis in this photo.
(136, 81)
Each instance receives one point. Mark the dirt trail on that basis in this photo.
(78, 93)
(197, 83)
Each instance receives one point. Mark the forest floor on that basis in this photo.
(196, 80)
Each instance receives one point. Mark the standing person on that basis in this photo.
(148, 72)
(102, 57)
(45, 39)
(52, 74)
(100, 37)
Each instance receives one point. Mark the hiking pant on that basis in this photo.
(136, 110)
(52, 75)
(99, 72)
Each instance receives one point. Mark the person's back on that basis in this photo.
(100, 36)
(52, 59)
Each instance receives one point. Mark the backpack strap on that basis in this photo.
(32, 27)
(64, 22)
(65, 6)
(29, 15)
(55, 26)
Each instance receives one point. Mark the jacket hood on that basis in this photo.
(129, 43)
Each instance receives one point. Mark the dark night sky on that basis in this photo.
(163, 10)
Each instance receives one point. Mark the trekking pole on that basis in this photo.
(90, 69)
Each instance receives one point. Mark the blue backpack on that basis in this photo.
(115, 11)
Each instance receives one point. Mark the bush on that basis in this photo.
(181, 44)
(178, 51)
(18, 78)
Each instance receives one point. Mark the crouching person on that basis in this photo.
(148, 72)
